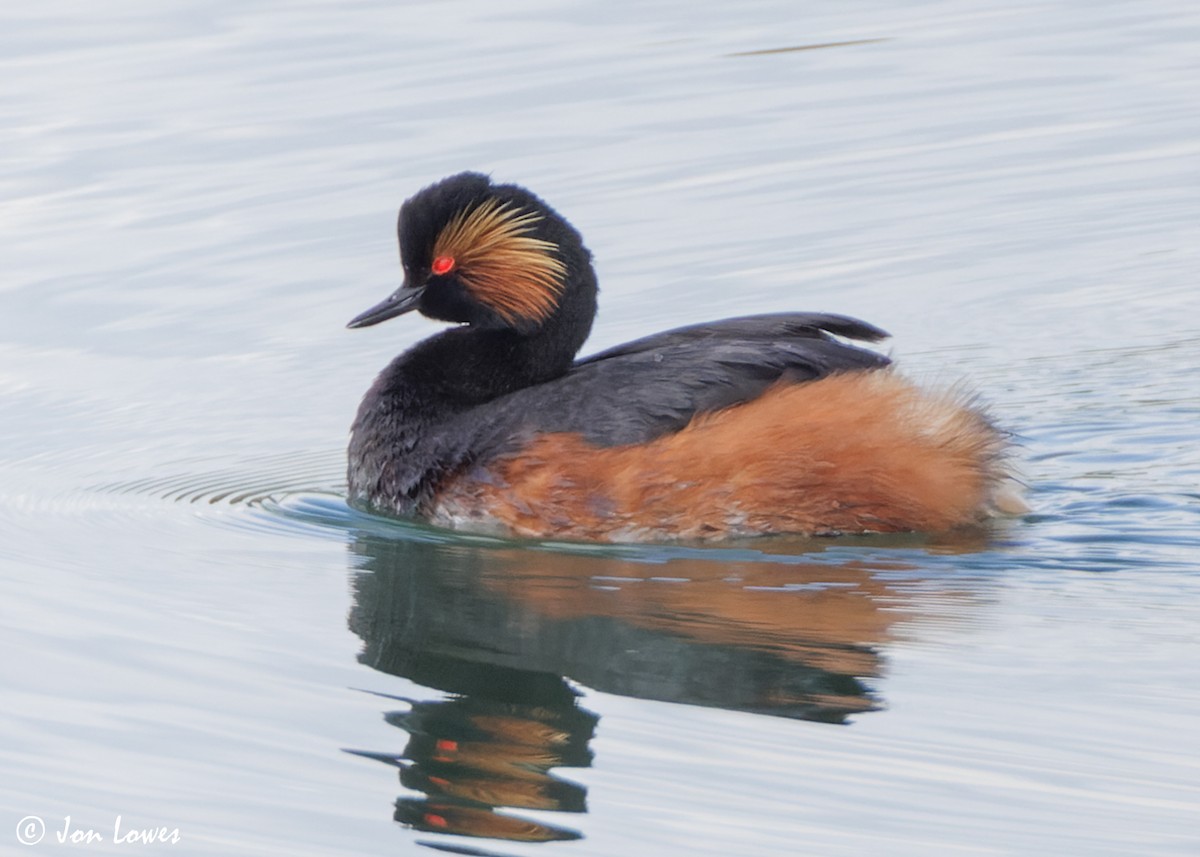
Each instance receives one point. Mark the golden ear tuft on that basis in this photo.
(518, 276)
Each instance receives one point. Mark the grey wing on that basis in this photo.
(647, 388)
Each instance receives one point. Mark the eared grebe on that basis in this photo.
(760, 424)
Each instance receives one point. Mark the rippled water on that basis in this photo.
(200, 635)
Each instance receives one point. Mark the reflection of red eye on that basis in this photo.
(442, 265)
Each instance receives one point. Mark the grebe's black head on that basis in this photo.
(492, 256)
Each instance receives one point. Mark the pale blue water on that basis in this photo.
(197, 196)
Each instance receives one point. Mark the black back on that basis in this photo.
(643, 389)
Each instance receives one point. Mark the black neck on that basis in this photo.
(470, 365)
(397, 445)
(467, 366)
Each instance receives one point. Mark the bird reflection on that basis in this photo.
(470, 755)
(502, 631)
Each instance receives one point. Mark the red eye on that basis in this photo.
(442, 265)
